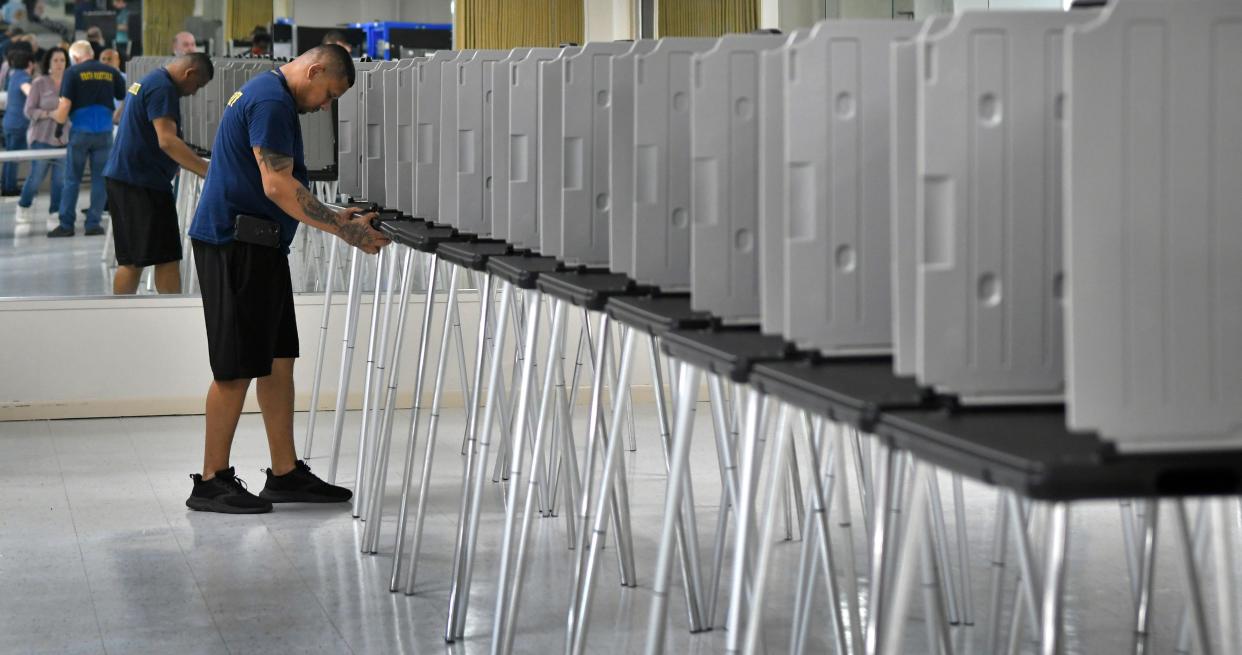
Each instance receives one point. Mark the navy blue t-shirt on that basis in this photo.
(136, 157)
(93, 88)
(262, 114)
(15, 113)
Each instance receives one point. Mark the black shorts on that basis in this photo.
(144, 224)
(248, 303)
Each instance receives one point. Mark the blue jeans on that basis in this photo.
(13, 140)
(94, 146)
(38, 171)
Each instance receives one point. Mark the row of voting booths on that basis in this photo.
(995, 246)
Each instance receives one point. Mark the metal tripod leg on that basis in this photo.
(361, 486)
(750, 461)
(347, 359)
(319, 356)
(411, 446)
(688, 387)
(1051, 642)
(509, 592)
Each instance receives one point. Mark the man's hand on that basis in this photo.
(355, 229)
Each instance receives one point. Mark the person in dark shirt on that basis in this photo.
(140, 171)
(88, 97)
(254, 197)
(21, 65)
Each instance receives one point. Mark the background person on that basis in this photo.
(337, 37)
(15, 123)
(95, 37)
(183, 43)
(41, 102)
(141, 169)
(88, 96)
(256, 191)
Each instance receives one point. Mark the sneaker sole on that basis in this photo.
(298, 497)
(209, 505)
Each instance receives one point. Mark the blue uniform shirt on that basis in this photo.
(15, 113)
(262, 114)
(93, 88)
(136, 157)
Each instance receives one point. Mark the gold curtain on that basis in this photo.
(161, 19)
(505, 24)
(706, 17)
(244, 15)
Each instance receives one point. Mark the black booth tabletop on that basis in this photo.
(416, 234)
(850, 390)
(659, 313)
(1029, 449)
(522, 271)
(731, 351)
(586, 287)
(472, 254)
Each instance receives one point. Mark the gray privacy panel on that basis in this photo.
(903, 163)
(586, 118)
(427, 134)
(501, 73)
(450, 73)
(373, 133)
(837, 268)
(662, 162)
(724, 205)
(772, 187)
(525, 85)
(474, 83)
(989, 318)
(1153, 236)
(399, 135)
(621, 158)
(551, 151)
(348, 145)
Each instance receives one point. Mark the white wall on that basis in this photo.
(92, 357)
(335, 12)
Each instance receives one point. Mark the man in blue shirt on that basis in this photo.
(254, 197)
(88, 95)
(140, 171)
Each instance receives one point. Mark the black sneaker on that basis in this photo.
(95, 231)
(60, 231)
(302, 486)
(225, 493)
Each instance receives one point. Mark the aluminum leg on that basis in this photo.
(411, 446)
(687, 393)
(375, 354)
(777, 471)
(1026, 562)
(1201, 544)
(381, 426)
(1190, 576)
(1223, 562)
(614, 447)
(468, 519)
(1131, 548)
(509, 593)
(747, 448)
(1052, 640)
(687, 523)
(876, 614)
(1146, 569)
(850, 565)
(1000, 545)
(893, 624)
(347, 358)
(963, 553)
(941, 546)
(433, 431)
(319, 356)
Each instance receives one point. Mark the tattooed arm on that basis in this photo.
(298, 202)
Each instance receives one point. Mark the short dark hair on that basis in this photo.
(335, 60)
(46, 63)
(260, 37)
(200, 61)
(334, 36)
(19, 59)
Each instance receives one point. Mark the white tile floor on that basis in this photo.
(98, 554)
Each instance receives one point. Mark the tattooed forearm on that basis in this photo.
(275, 161)
(315, 209)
